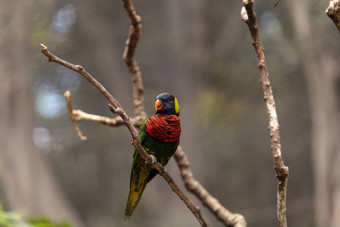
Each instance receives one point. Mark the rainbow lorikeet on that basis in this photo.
(159, 135)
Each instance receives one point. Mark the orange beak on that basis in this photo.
(158, 105)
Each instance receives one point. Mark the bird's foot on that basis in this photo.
(151, 161)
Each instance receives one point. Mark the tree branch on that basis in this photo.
(249, 17)
(118, 109)
(333, 11)
(67, 95)
(129, 58)
(79, 115)
(79, 69)
(224, 215)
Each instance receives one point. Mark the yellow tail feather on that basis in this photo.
(137, 186)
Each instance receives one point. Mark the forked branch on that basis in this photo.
(129, 58)
(224, 215)
(79, 115)
(249, 17)
(67, 95)
(118, 109)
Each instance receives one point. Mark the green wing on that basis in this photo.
(142, 134)
(142, 131)
(138, 178)
(142, 174)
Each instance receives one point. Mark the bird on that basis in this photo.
(159, 136)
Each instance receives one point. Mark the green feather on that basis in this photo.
(141, 174)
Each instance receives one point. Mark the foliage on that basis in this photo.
(14, 219)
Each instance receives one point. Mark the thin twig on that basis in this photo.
(129, 58)
(67, 95)
(118, 109)
(249, 17)
(79, 115)
(79, 69)
(333, 11)
(224, 215)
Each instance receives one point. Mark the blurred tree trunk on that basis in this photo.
(28, 182)
(321, 72)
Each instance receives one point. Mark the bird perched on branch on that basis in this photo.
(159, 135)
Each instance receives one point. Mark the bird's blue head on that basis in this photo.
(166, 104)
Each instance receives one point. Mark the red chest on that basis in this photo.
(166, 128)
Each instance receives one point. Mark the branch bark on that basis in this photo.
(116, 108)
(224, 215)
(333, 11)
(249, 17)
(129, 58)
(79, 115)
(67, 95)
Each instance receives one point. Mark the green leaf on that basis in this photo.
(14, 219)
(45, 222)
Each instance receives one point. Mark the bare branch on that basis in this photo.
(249, 17)
(129, 58)
(67, 95)
(118, 109)
(333, 11)
(79, 69)
(224, 215)
(79, 115)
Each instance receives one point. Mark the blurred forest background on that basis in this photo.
(201, 52)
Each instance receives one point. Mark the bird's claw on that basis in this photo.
(152, 161)
(163, 172)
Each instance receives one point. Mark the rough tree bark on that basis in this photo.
(249, 17)
(30, 186)
(222, 214)
(333, 11)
